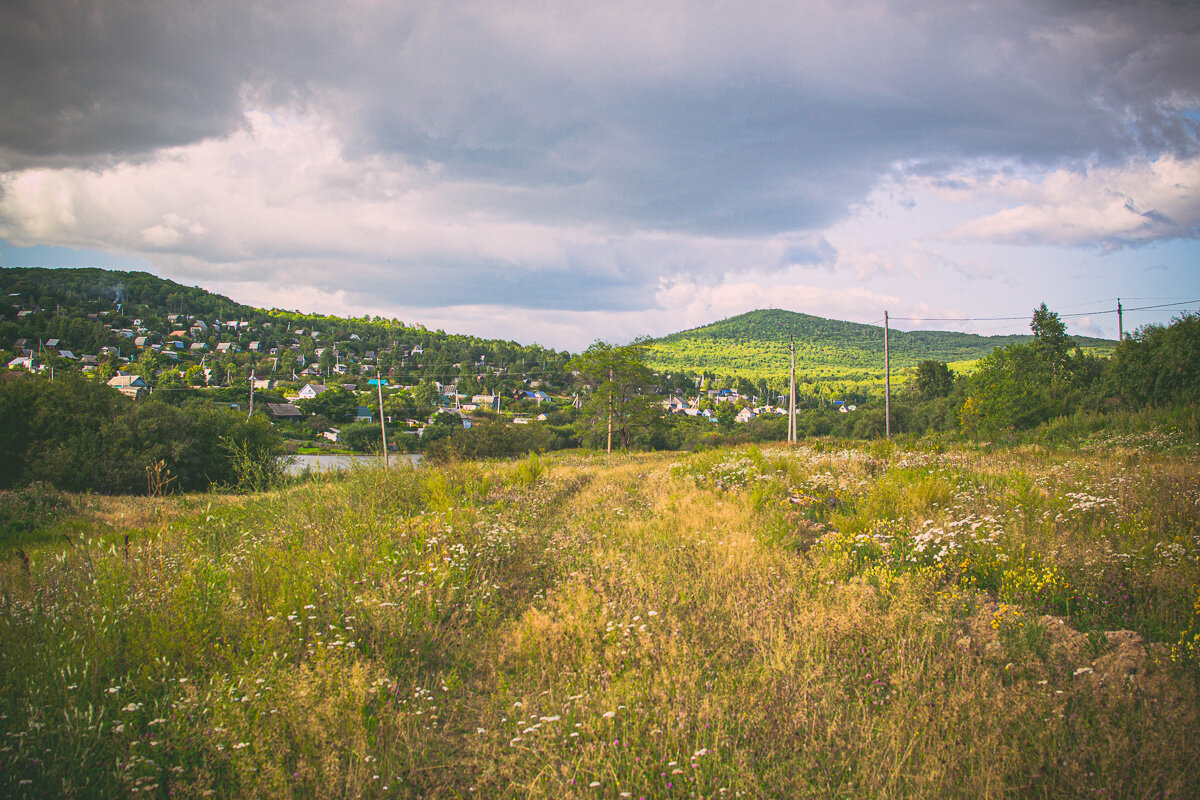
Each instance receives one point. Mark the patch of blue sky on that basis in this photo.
(51, 256)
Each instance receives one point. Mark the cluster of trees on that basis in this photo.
(493, 437)
(1159, 365)
(99, 289)
(1025, 384)
(76, 434)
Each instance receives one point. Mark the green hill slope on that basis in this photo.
(755, 345)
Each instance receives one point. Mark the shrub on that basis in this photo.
(77, 435)
(494, 438)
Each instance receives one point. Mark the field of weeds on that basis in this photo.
(823, 621)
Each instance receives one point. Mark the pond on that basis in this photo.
(300, 464)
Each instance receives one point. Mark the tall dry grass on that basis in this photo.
(817, 622)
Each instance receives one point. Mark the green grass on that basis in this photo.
(821, 621)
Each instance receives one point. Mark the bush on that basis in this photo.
(495, 438)
(363, 437)
(78, 435)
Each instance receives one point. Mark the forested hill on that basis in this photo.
(84, 285)
(755, 345)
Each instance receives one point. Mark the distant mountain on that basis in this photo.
(755, 345)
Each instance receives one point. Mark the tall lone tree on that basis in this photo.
(618, 387)
(1050, 337)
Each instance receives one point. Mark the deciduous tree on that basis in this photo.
(617, 386)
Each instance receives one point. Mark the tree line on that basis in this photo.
(1024, 385)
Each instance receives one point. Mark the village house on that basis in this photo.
(284, 411)
(129, 385)
(311, 390)
(674, 405)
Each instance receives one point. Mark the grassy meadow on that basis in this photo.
(827, 621)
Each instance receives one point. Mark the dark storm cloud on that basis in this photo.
(96, 80)
(711, 95)
(697, 119)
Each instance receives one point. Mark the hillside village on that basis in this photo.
(312, 372)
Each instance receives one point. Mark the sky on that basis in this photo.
(560, 171)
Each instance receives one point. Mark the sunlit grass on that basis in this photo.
(822, 621)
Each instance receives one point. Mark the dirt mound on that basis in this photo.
(1118, 657)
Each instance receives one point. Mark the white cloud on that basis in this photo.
(282, 199)
(597, 165)
(1113, 206)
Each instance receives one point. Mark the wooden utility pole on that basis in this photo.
(382, 421)
(1120, 322)
(251, 414)
(792, 438)
(887, 381)
(611, 401)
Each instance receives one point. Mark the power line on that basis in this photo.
(1026, 316)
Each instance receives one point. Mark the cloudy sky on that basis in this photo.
(562, 171)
